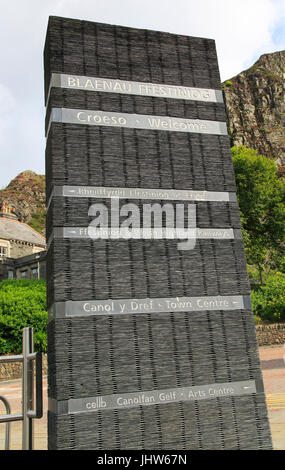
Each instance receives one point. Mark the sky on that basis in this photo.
(242, 29)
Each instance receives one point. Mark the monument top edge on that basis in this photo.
(54, 18)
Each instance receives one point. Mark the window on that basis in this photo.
(10, 274)
(24, 274)
(3, 251)
(34, 273)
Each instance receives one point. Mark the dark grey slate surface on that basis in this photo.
(107, 355)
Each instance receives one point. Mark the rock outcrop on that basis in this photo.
(256, 107)
(25, 195)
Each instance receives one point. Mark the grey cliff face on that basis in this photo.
(256, 106)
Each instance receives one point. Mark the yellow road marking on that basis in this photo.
(275, 400)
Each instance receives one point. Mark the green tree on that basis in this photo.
(22, 303)
(268, 301)
(261, 197)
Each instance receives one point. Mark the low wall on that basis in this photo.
(13, 370)
(268, 335)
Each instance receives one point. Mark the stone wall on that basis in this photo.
(268, 335)
(13, 370)
(19, 249)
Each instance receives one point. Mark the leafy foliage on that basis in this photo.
(22, 303)
(261, 197)
(268, 300)
(37, 221)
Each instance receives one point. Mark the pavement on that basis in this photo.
(273, 370)
(12, 390)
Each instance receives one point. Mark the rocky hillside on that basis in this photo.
(256, 107)
(26, 195)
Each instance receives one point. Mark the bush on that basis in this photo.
(22, 303)
(268, 301)
(257, 320)
(261, 197)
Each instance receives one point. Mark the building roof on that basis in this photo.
(11, 229)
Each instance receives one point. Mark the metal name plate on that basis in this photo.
(126, 233)
(74, 308)
(158, 90)
(143, 193)
(155, 397)
(136, 121)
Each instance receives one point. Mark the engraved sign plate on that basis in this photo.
(160, 90)
(136, 121)
(73, 308)
(143, 193)
(145, 233)
(161, 397)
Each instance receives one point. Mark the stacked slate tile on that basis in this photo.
(103, 355)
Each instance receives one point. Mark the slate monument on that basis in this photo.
(149, 346)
